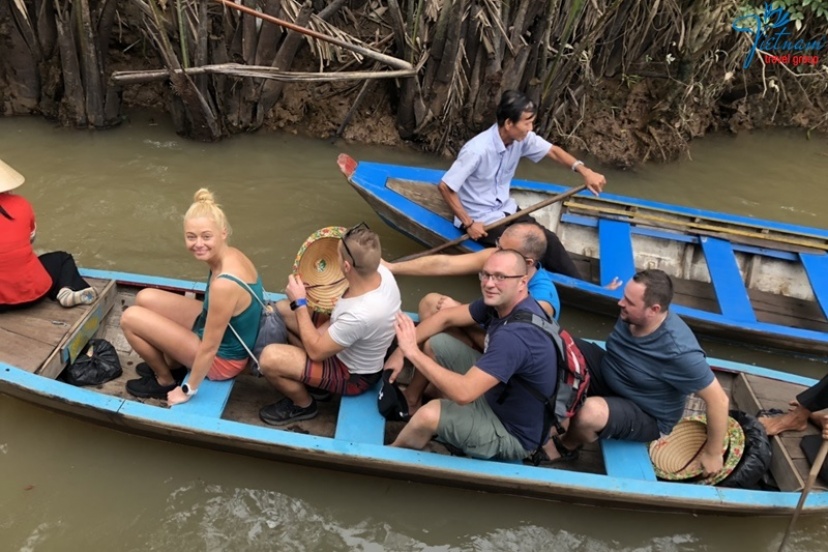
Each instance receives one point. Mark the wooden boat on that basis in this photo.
(349, 434)
(736, 278)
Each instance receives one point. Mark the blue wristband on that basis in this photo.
(301, 302)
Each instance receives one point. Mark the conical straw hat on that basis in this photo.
(673, 455)
(9, 178)
(317, 263)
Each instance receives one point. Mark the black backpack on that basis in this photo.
(573, 375)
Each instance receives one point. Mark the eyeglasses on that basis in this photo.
(347, 235)
(497, 277)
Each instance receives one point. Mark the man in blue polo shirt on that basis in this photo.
(527, 238)
(476, 187)
(481, 412)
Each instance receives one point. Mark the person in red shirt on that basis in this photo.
(26, 278)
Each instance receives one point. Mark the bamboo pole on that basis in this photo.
(388, 60)
(257, 72)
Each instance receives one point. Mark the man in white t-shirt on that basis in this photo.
(345, 355)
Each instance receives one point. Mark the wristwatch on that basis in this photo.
(301, 302)
(189, 391)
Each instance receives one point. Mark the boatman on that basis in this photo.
(639, 385)
(527, 238)
(476, 187)
(481, 412)
(344, 355)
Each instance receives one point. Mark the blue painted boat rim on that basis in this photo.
(403, 206)
(387, 458)
(632, 490)
(433, 176)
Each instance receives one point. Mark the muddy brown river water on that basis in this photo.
(115, 200)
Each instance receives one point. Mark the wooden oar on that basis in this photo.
(812, 475)
(501, 222)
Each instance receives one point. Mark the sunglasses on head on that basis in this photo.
(347, 235)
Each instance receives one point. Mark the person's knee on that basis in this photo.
(429, 305)
(147, 297)
(130, 317)
(593, 414)
(271, 360)
(283, 361)
(427, 417)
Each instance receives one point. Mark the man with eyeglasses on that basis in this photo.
(476, 187)
(480, 411)
(527, 238)
(345, 354)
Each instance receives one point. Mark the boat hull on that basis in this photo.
(730, 285)
(352, 445)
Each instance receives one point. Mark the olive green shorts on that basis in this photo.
(474, 428)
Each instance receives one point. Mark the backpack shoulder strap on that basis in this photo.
(242, 283)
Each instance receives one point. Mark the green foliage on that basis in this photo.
(801, 12)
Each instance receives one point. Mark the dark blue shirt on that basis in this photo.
(520, 350)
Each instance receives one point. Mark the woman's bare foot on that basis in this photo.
(795, 419)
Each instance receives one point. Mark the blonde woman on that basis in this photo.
(171, 332)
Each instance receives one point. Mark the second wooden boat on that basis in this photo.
(751, 281)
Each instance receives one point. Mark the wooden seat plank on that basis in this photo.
(628, 459)
(22, 351)
(359, 420)
(616, 251)
(816, 266)
(89, 320)
(210, 401)
(728, 283)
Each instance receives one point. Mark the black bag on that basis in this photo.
(98, 363)
(756, 457)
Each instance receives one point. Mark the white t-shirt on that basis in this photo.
(364, 325)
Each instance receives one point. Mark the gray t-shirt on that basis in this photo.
(657, 371)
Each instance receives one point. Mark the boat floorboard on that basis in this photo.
(32, 336)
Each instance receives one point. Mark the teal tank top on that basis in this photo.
(246, 322)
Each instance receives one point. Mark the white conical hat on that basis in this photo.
(9, 178)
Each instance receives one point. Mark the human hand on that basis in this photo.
(476, 230)
(615, 284)
(406, 335)
(594, 181)
(710, 462)
(295, 287)
(394, 364)
(825, 427)
(177, 396)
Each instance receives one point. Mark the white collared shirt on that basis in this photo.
(483, 171)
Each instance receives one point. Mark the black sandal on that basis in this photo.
(769, 412)
(540, 458)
